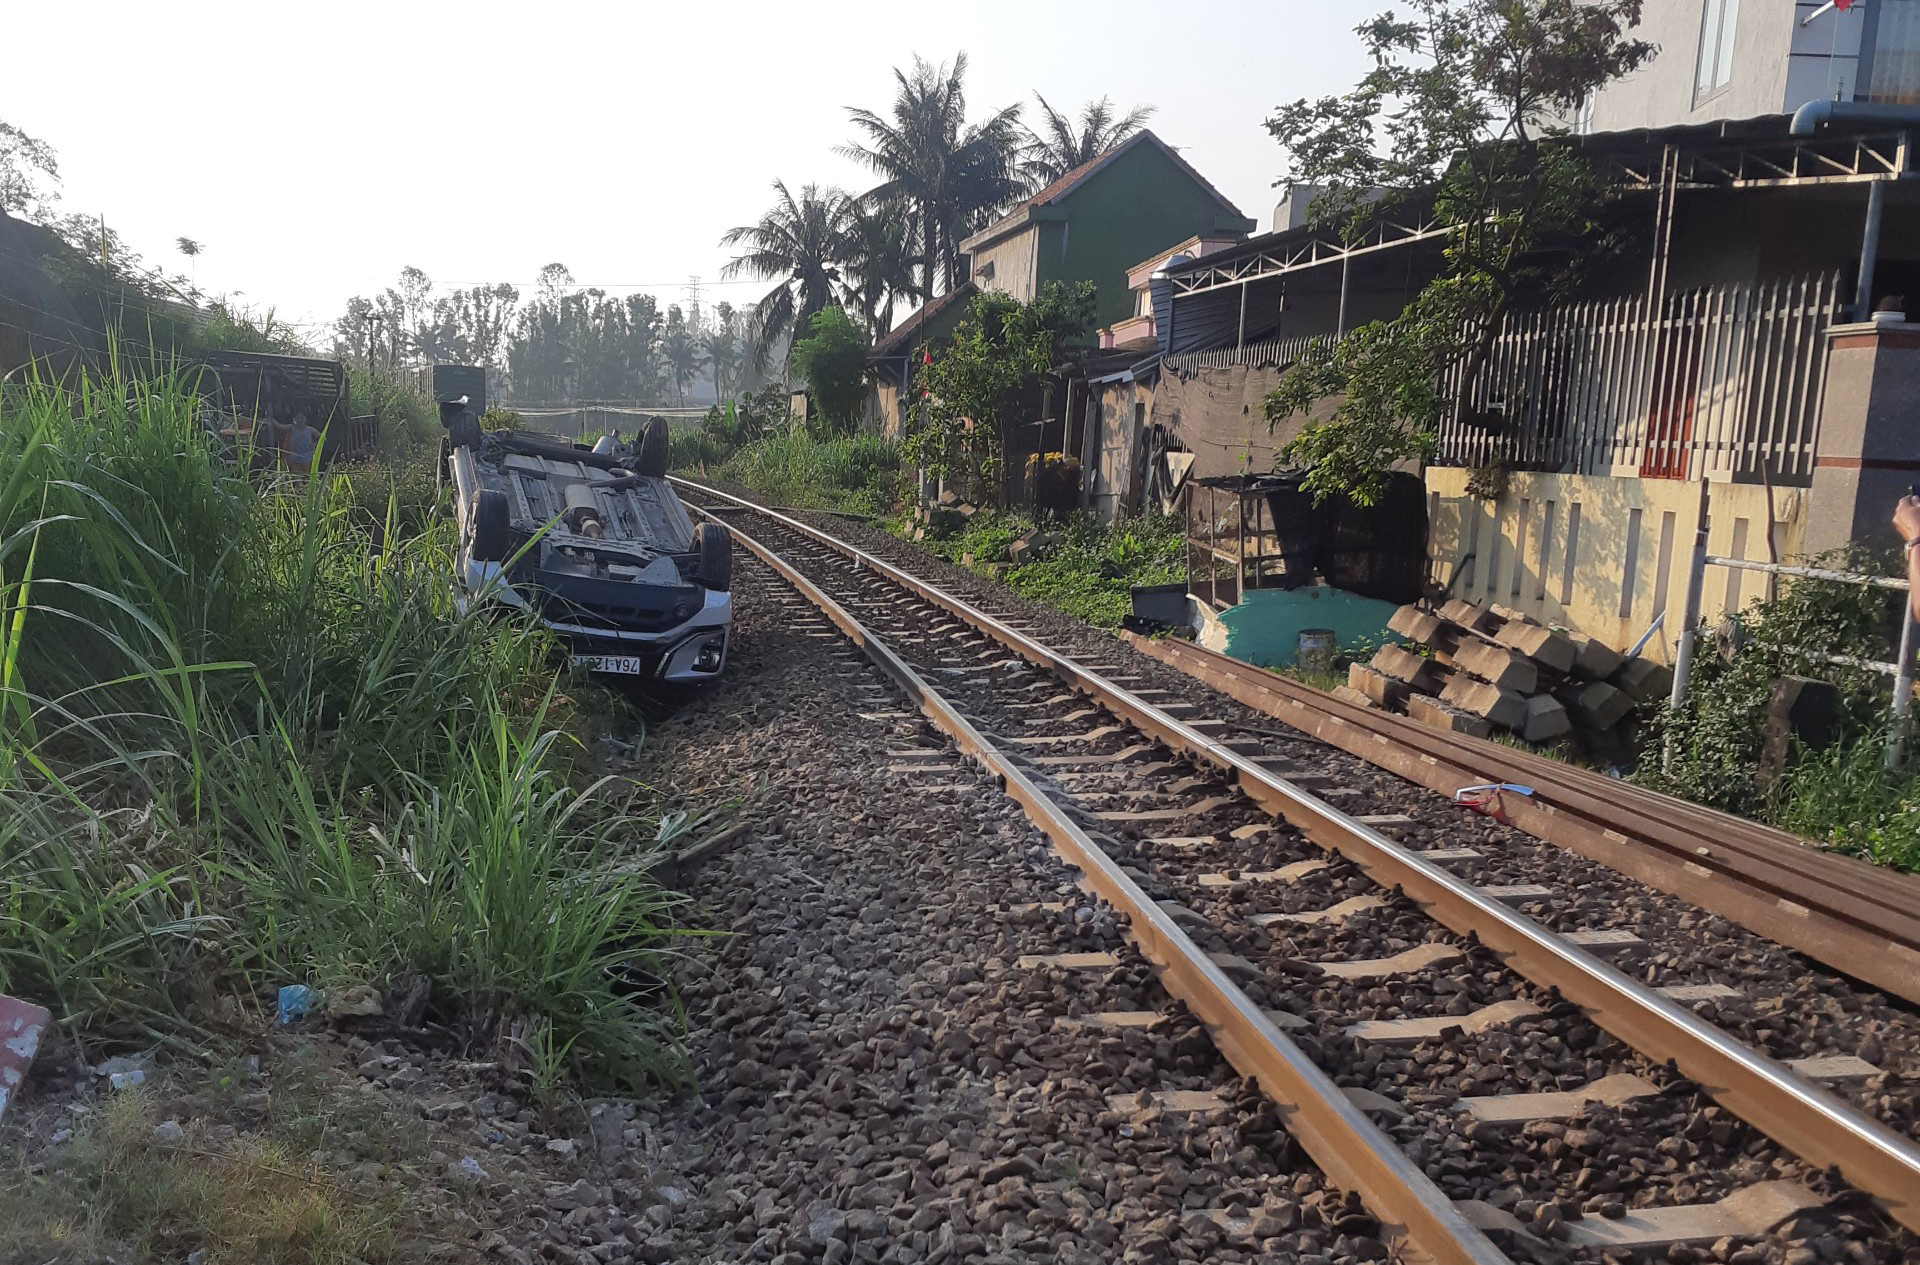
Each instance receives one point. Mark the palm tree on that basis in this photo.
(799, 242)
(1054, 150)
(723, 351)
(191, 249)
(942, 173)
(877, 264)
(682, 351)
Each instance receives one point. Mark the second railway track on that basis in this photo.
(1534, 1090)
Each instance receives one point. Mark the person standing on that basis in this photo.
(303, 444)
(1906, 521)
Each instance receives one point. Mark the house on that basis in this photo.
(1140, 201)
(1734, 345)
(1110, 391)
(895, 355)
(1737, 59)
(1094, 222)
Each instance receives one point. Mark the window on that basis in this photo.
(1714, 71)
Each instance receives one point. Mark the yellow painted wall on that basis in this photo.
(1631, 549)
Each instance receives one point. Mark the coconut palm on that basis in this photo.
(681, 349)
(723, 349)
(1056, 148)
(876, 264)
(799, 242)
(946, 176)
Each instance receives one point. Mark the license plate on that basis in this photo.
(620, 664)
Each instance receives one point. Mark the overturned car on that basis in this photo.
(593, 541)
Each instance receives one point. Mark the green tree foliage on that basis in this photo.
(680, 348)
(24, 164)
(800, 242)
(945, 177)
(589, 345)
(876, 263)
(1461, 109)
(1057, 146)
(998, 358)
(832, 361)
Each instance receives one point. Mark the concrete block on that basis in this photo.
(1347, 694)
(1469, 615)
(1499, 666)
(1597, 705)
(1545, 720)
(1416, 625)
(1421, 673)
(1594, 660)
(1545, 646)
(1490, 702)
(21, 1025)
(1437, 715)
(1378, 688)
(1644, 680)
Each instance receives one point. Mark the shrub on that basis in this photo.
(248, 738)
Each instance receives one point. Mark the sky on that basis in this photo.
(315, 150)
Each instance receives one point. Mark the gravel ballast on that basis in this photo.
(1673, 1148)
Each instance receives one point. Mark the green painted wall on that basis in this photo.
(1141, 202)
(1264, 629)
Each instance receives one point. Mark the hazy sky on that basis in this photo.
(316, 149)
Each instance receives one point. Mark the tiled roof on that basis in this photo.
(1067, 183)
(902, 336)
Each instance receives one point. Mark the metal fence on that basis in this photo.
(1723, 383)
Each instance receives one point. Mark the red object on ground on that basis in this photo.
(21, 1024)
(1843, 5)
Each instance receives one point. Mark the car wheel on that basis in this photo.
(715, 545)
(654, 451)
(492, 526)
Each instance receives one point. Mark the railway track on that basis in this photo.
(1434, 1049)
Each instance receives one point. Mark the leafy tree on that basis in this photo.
(1462, 108)
(1056, 147)
(832, 361)
(945, 176)
(1001, 353)
(24, 163)
(477, 320)
(799, 242)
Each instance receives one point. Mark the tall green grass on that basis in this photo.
(247, 738)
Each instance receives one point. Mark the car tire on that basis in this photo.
(492, 526)
(714, 543)
(655, 453)
(464, 432)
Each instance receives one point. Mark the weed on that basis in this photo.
(124, 1191)
(247, 738)
(1089, 575)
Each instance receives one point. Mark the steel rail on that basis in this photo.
(1859, 919)
(1353, 1151)
(1813, 1124)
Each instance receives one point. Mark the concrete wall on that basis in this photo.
(1869, 448)
(1113, 448)
(1141, 202)
(1014, 263)
(1661, 93)
(1632, 541)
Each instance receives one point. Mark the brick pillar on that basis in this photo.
(1868, 453)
